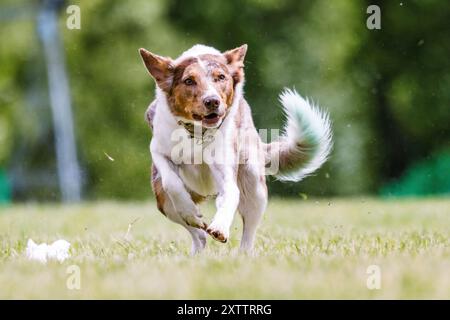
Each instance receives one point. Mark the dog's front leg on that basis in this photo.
(175, 189)
(226, 202)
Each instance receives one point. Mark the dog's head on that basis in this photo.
(198, 86)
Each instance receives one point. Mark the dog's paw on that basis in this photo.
(195, 221)
(193, 217)
(218, 231)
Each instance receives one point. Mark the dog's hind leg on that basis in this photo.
(198, 239)
(252, 204)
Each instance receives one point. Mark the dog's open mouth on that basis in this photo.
(212, 116)
(210, 119)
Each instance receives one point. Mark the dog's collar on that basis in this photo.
(207, 134)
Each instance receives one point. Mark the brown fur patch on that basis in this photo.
(184, 100)
(158, 190)
(187, 100)
(197, 198)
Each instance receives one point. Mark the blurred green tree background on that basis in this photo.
(388, 90)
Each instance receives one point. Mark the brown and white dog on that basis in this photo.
(200, 106)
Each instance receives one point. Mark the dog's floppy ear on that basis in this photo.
(235, 60)
(160, 68)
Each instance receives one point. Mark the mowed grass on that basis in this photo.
(305, 249)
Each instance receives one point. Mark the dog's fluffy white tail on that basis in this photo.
(306, 141)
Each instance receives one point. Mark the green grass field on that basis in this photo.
(305, 249)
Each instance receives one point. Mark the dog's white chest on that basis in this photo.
(198, 178)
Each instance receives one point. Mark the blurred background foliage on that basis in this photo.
(388, 90)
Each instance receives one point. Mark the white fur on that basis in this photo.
(195, 51)
(198, 178)
(309, 126)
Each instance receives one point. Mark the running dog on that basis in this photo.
(200, 108)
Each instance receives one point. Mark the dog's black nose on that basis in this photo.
(211, 102)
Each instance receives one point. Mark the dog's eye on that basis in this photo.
(221, 77)
(189, 82)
